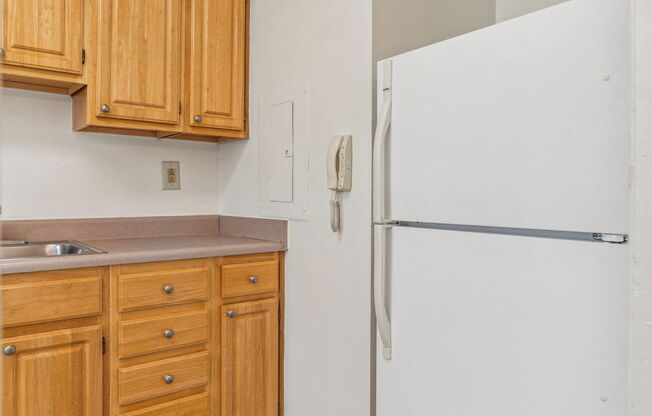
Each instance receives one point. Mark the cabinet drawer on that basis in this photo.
(152, 334)
(249, 278)
(196, 405)
(41, 300)
(143, 290)
(146, 381)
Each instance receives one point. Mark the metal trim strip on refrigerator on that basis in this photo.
(521, 232)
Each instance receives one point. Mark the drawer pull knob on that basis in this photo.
(105, 108)
(168, 333)
(253, 279)
(168, 289)
(231, 313)
(2, 52)
(198, 118)
(9, 350)
(169, 379)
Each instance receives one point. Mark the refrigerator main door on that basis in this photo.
(522, 124)
(495, 325)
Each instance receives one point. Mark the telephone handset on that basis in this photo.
(339, 169)
(339, 164)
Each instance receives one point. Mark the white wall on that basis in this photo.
(326, 46)
(508, 9)
(400, 26)
(641, 242)
(50, 171)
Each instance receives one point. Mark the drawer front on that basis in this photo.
(147, 381)
(196, 405)
(164, 332)
(46, 301)
(249, 278)
(144, 290)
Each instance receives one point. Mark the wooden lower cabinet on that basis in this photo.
(199, 337)
(53, 373)
(250, 358)
(196, 337)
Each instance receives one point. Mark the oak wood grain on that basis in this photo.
(237, 278)
(144, 381)
(54, 373)
(146, 335)
(141, 290)
(50, 296)
(250, 359)
(196, 405)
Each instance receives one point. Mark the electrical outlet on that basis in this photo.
(171, 176)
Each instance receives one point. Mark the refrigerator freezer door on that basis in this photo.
(523, 124)
(499, 325)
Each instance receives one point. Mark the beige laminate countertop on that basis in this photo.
(147, 249)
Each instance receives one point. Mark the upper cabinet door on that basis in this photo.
(43, 34)
(139, 54)
(53, 373)
(218, 64)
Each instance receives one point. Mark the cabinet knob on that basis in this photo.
(253, 279)
(105, 108)
(168, 333)
(2, 52)
(169, 379)
(9, 350)
(168, 289)
(231, 313)
(198, 118)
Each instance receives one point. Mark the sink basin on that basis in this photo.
(46, 249)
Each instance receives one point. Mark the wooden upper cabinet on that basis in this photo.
(217, 64)
(250, 358)
(158, 68)
(53, 373)
(44, 34)
(139, 60)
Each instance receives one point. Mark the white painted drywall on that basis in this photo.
(508, 9)
(51, 171)
(324, 45)
(400, 26)
(640, 388)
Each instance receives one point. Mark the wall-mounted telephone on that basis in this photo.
(339, 169)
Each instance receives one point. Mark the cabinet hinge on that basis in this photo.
(83, 56)
(103, 345)
(179, 107)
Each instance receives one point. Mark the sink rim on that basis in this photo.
(86, 250)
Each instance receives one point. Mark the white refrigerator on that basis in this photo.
(501, 201)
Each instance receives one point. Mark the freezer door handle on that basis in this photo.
(380, 306)
(380, 138)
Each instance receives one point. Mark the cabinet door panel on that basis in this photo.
(54, 373)
(44, 34)
(250, 358)
(139, 60)
(217, 73)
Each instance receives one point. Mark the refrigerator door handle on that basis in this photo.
(381, 225)
(379, 144)
(380, 307)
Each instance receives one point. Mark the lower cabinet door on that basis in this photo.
(250, 358)
(53, 373)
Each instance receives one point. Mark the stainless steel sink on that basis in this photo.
(11, 250)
